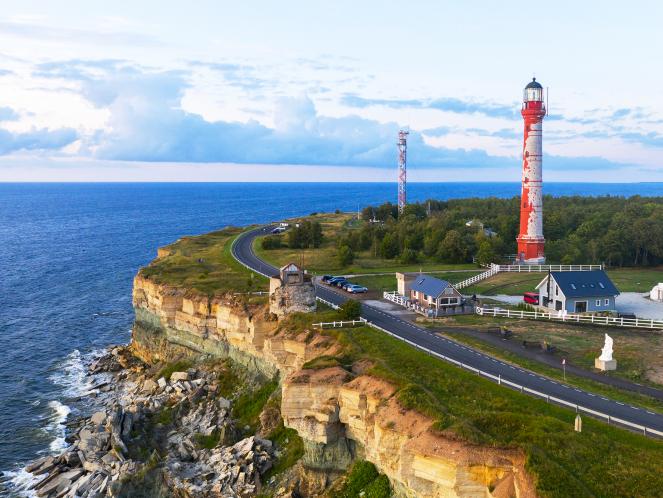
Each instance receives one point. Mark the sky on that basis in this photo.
(317, 91)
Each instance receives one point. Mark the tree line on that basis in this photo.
(304, 235)
(617, 231)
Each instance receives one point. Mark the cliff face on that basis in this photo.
(340, 415)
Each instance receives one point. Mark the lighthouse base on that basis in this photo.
(530, 252)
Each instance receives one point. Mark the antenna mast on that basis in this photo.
(402, 169)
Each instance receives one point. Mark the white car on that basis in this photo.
(356, 289)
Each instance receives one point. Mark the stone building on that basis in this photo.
(291, 291)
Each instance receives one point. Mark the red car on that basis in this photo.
(531, 298)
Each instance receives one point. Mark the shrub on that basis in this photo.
(409, 256)
(345, 256)
(272, 242)
(350, 310)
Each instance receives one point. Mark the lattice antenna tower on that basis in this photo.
(402, 169)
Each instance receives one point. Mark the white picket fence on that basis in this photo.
(395, 297)
(340, 324)
(494, 269)
(572, 318)
(647, 431)
(546, 268)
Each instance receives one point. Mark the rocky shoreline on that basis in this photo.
(175, 432)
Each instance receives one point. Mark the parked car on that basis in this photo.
(278, 230)
(531, 298)
(346, 284)
(335, 280)
(356, 289)
(341, 283)
(326, 278)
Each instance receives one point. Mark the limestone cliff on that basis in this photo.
(340, 415)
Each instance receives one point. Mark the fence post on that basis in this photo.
(499, 379)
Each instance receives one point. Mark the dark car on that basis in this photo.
(346, 284)
(335, 280)
(341, 283)
(531, 298)
(326, 278)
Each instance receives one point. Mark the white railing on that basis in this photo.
(572, 318)
(395, 297)
(544, 268)
(340, 324)
(328, 303)
(493, 270)
(647, 431)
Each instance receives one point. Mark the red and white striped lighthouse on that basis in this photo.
(530, 239)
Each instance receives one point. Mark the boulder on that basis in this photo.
(176, 376)
(162, 382)
(99, 418)
(149, 386)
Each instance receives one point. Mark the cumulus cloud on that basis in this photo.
(147, 123)
(8, 114)
(448, 104)
(35, 140)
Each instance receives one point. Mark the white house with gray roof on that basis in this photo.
(431, 292)
(577, 291)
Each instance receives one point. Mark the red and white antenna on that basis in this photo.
(402, 169)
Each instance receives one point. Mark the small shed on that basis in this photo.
(656, 293)
(433, 293)
(578, 291)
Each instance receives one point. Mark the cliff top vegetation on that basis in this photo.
(205, 264)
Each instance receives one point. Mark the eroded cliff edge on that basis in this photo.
(341, 413)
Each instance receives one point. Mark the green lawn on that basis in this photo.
(601, 461)
(204, 263)
(513, 283)
(636, 279)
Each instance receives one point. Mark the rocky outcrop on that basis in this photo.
(339, 414)
(149, 426)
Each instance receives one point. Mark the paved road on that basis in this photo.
(243, 251)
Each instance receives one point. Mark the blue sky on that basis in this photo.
(244, 91)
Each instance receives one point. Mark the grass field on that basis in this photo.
(323, 259)
(626, 280)
(204, 263)
(639, 353)
(600, 461)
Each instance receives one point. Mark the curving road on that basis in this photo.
(242, 250)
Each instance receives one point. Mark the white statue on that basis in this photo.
(606, 352)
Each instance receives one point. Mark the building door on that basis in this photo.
(581, 306)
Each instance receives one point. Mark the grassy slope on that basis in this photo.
(204, 263)
(601, 461)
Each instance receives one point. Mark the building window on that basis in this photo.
(557, 290)
(598, 302)
(607, 302)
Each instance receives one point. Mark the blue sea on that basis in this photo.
(68, 253)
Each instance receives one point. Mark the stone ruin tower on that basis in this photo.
(290, 291)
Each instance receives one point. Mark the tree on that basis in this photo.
(350, 310)
(453, 249)
(389, 247)
(486, 253)
(272, 242)
(345, 256)
(409, 256)
(316, 234)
